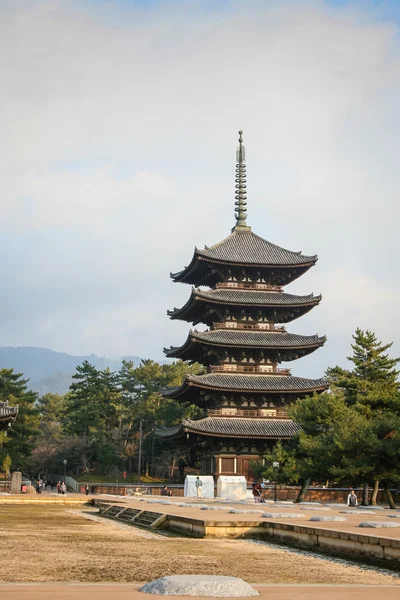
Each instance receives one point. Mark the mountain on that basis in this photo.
(50, 371)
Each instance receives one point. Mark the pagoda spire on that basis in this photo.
(240, 180)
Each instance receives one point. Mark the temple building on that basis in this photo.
(8, 414)
(244, 393)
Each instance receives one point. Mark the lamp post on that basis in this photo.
(65, 470)
(275, 466)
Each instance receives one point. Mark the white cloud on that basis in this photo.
(117, 157)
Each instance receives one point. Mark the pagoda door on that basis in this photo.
(245, 469)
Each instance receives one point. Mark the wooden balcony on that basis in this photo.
(247, 285)
(249, 326)
(231, 368)
(259, 413)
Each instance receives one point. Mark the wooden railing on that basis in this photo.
(250, 326)
(247, 369)
(249, 285)
(250, 412)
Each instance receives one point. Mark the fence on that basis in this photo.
(71, 483)
(288, 493)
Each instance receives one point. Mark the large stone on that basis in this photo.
(16, 481)
(216, 508)
(315, 508)
(283, 516)
(207, 488)
(354, 512)
(232, 487)
(371, 507)
(326, 519)
(379, 524)
(238, 511)
(212, 586)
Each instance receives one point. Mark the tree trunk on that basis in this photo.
(375, 492)
(303, 490)
(365, 493)
(389, 496)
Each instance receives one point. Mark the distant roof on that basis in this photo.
(235, 382)
(234, 427)
(247, 339)
(7, 413)
(243, 247)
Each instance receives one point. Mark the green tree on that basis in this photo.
(347, 433)
(24, 432)
(372, 389)
(7, 462)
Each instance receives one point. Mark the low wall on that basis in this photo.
(284, 493)
(339, 543)
(314, 494)
(356, 546)
(5, 486)
(125, 490)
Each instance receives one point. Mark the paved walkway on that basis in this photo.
(128, 591)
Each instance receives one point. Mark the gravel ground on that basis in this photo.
(48, 543)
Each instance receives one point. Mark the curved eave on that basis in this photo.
(170, 433)
(196, 343)
(255, 384)
(240, 428)
(232, 428)
(201, 268)
(197, 300)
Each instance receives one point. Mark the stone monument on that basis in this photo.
(16, 481)
(207, 489)
(232, 487)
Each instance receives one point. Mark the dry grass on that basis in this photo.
(48, 543)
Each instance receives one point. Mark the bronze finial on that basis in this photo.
(240, 193)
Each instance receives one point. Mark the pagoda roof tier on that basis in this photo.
(243, 248)
(203, 304)
(247, 383)
(231, 427)
(8, 414)
(199, 344)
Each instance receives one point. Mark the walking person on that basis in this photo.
(352, 500)
(58, 487)
(198, 484)
(63, 488)
(256, 491)
(87, 489)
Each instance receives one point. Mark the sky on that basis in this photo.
(119, 125)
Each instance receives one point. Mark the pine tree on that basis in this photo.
(24, 432)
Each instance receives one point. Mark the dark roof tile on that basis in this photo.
(245, 247)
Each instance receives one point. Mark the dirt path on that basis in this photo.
(47, 543)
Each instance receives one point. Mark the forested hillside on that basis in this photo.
(50, 371)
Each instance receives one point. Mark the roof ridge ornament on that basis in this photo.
(240, 187)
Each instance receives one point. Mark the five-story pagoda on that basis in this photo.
(244, 391)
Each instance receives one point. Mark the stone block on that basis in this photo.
(232, 487)
(16, 481)
(267, 515)
(325, 519)
(379, 524)
(211, 586)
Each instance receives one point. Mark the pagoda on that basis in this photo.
(244, 393)
(8, 414)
